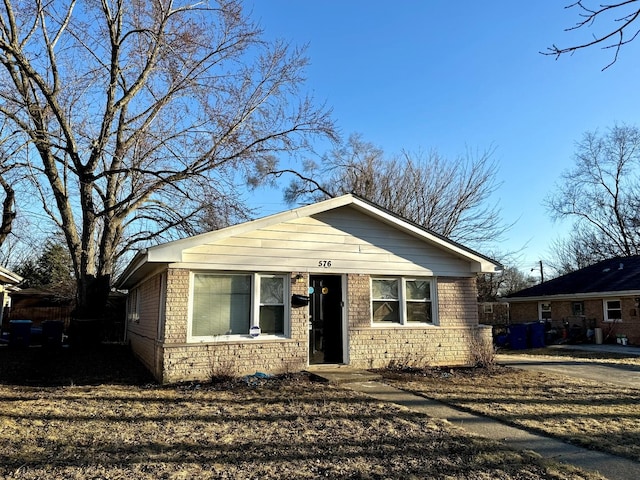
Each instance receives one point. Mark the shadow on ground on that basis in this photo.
(98, 365)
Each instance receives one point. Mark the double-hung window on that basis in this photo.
(272, 304)
(133, 305)
(401, 300)
(228, 305)
(544, 311)
(612, 310)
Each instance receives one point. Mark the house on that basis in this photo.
(8, 282)
(605, 295)
(493, 313)
(341, 281)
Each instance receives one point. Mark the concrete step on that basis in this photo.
(340, 374)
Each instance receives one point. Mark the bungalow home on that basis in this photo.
(605, 295)
(341, 282)
(8, 283)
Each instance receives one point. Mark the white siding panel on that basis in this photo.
(352, 241)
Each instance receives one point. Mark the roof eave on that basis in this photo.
(576, 296)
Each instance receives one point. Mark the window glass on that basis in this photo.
(417, 289)
(272, 305)
(419, 312)
(577, 309)
(385, 289)
(399, 300)
(417, 296)
(545, 311)
(614, 310)
(221, 305)
(385, 304)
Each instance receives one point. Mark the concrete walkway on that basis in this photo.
(610, 466)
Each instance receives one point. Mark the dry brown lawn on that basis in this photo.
(68, 424)
(588, 413)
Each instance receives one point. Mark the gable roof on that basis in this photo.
(171, 252)
(616, 275)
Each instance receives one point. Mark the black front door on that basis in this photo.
(325, 319)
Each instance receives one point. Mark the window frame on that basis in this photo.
(606, 309)
(255, 304)
(577, 309)
(403, 300)
(541, 310)
(133, 305)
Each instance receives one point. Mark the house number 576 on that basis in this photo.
(324, 263)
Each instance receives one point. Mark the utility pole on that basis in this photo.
(541, 271)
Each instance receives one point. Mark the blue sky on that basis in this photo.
(443, 75)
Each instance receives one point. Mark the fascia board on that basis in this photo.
(576, 296)
(139, 260)
(7, 276)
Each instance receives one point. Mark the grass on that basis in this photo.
(77, 415)
(583, 412)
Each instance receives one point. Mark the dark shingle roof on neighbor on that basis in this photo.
(618, 274)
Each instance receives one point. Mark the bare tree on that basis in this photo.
(621, 26)
(576, 251)
(493, 286)
(9, 149)
(601, 194)
(137, 113)
(449, 197)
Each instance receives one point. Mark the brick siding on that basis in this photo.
(561, 311)
(450, 342)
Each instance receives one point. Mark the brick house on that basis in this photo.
(341, 281)
(605, 295)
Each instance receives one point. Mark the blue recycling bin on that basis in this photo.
(518, 336)
(20, 333)
(52, 333)
(537, 334)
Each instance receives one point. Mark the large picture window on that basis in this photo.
(401, 300)
(230, 304)
(221, 305)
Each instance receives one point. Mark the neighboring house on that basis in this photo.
(605, 295)
(8, 282)
(39, 305)
(493, 313)
(341, 281)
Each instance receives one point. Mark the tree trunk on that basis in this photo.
(93, 293)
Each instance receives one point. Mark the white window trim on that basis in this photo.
(133, 305)
(605, 310)
(255, 308)
(540, 304)
(402, 299)
(487, 308)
